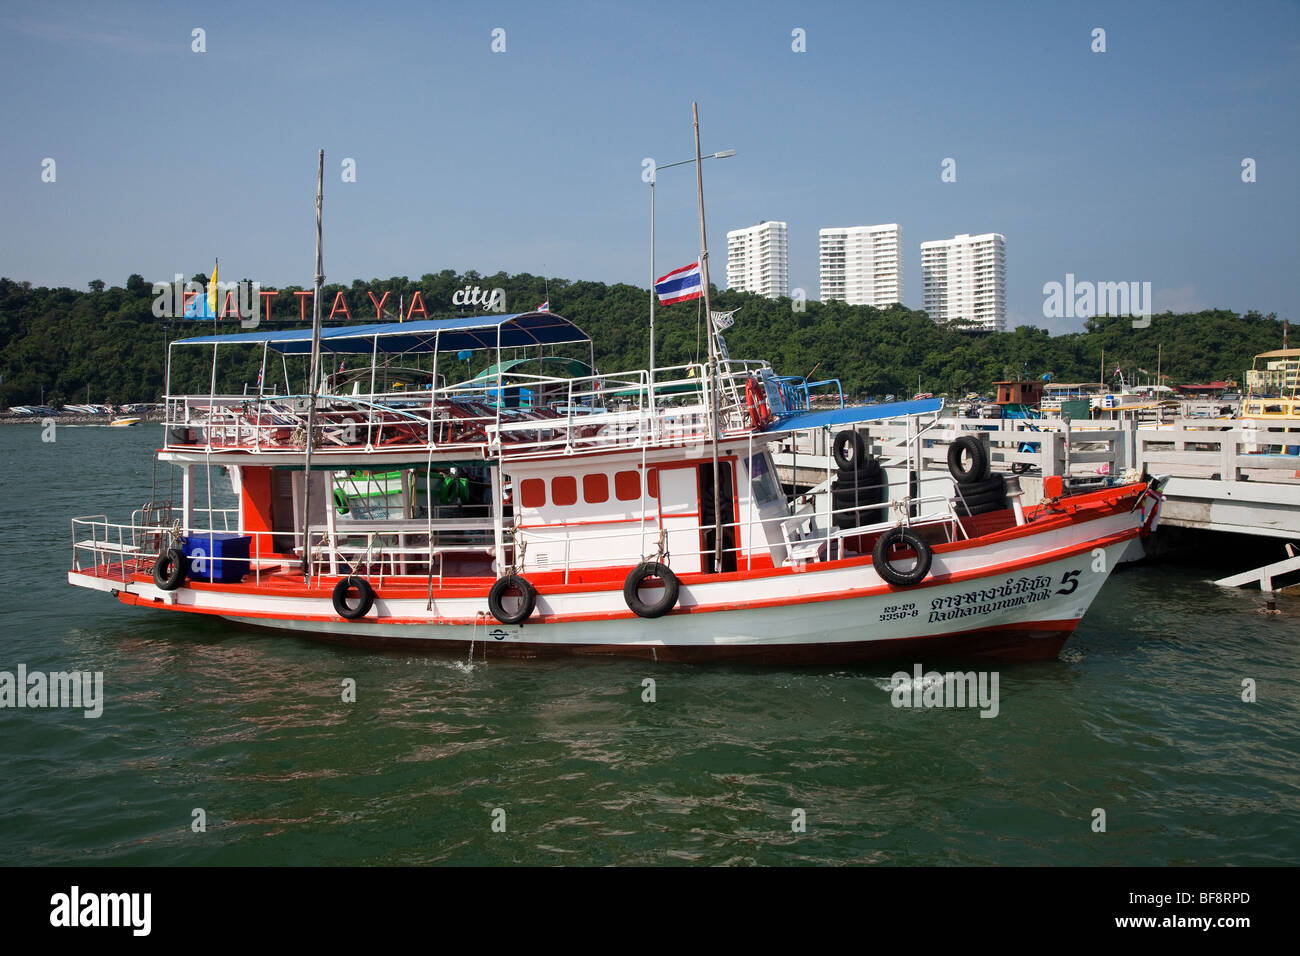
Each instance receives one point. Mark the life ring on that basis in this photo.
(169, 569)
(880, 557)
(364, 591)
(632, 587)
(979, 459)
(526, 605)
(756, 403)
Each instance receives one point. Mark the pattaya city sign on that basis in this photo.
(249, 303)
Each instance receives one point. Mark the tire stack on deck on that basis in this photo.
(859, 483)
(979, 492)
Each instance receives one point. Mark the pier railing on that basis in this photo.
(1189, 448)
(1240, 476)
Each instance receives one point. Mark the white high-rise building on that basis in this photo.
(966, 278)
(862, 265)
(758, 260)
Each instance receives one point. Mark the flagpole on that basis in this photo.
(652, 288)
(714, 373)
(314, 375)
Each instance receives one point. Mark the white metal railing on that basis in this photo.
(395, 548)
(516, 411)
(417, 548)
(117, 550)
(808, 537)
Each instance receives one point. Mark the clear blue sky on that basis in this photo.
(1117, 166)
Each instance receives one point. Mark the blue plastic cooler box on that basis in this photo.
(217, 556)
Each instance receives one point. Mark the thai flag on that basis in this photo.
(680, 285)
(259, 377)
(545, 306)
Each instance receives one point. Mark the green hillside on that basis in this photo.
(63, 340)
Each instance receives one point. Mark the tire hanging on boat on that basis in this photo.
(857, 487)
(526, 605)
(982, 497)
(993, 484)
(364, 591)
(632, 587)
(849, 449)
(970, 511)
(169, 569)
(979, 456)
(880, 557)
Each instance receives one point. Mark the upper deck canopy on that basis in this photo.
(523, 329)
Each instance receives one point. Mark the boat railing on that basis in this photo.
(118, 550)
(798, 394)
(672, 412)
(383, 549)
(114, 551)
(418, 547)
(524, 410)
(225, 520)
(340, 422)
(810, 536)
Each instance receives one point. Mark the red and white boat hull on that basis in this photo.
(1019, 597)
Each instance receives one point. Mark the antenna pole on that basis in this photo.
(314, 377)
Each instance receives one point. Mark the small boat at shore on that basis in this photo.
(124, 422)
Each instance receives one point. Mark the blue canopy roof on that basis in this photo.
(425, 335)
(855, 414)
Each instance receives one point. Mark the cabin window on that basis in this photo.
(763, 481)
(595, 488)
(564, 490)
(652, 483)
(532, 493)
(627, 485)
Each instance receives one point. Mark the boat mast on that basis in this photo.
(714, 373)
(314, 376)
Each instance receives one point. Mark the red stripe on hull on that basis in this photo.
(971, 574)
(1032, 641)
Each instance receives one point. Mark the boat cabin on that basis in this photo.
(529, 459)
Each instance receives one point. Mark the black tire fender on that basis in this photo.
(631, 590)
(499, 589)
(869, 476)
(870, 472)
(849, 442)
(993, 483)
(880, 557)
(169, 569)
(970, 510)
(986, 498)
(364, 591)
(979, 466)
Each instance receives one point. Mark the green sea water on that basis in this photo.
(1141, 718)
